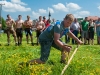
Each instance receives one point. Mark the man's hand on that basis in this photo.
(67, 48)
(80, 42)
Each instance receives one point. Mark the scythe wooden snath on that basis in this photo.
(69, 60)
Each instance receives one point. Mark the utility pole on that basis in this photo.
(1, 11)
(1, 16)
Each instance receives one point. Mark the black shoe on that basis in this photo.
(23, 64)
(37, 43)
(16, 44)
(63, 62)
(8, 44)
(19, 44)
(84, 43)
(32, 44)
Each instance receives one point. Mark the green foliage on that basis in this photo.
(3, 24)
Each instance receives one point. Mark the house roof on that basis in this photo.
(93, 17)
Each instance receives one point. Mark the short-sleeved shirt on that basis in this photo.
(84, 25)
(97, 28)
(75, 26)
(48, 34)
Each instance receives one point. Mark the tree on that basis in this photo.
(3, 23)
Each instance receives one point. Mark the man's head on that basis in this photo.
(19, 16)
(69, 18)
(40, 18)
(28, 17)
(86, 18)
(8, 16)
(44, 17)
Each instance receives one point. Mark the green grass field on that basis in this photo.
(85, 62)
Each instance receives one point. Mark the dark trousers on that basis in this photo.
(75, 32)
(67, 39)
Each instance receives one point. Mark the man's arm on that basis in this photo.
(60, 44)
(81, 27)
(24, 24)
(0, 25)
(57, 41)
(36, 25)
(31, 23)
(14, 24)
(70, 34)
(43, 26)
(97, 25)
(7, 22)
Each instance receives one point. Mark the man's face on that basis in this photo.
(40, 18)
(19, 17)
(86, 19)
(44, 18)
(28, 17)
(67, 22)
(9, 17)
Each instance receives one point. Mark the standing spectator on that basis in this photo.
(28, 29)
(98, 30)
(10, 29)
(44, 20)
(91, 31)
(84, 28)
(75, 27)
(53, 22)
(19, 29)
(80, 31)
(40, 27)
(67, 38)
(47, 23)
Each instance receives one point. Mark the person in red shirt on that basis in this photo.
(44, 19)
(47, 23)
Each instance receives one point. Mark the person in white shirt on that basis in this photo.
(75, 27)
